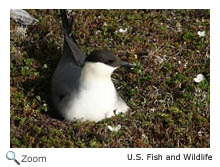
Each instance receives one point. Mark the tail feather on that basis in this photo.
(69, 40)
(67, 24)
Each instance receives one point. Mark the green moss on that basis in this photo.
(188, 36)
(94, 144)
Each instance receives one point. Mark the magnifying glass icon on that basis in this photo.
(10, 155)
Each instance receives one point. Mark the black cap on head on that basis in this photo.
(104, 56)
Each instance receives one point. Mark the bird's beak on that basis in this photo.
(126, 64)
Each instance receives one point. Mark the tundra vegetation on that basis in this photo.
(169, 48)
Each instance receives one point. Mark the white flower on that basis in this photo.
(21, 31)
(179, 27)
(144, 136)
(123, 30)
(200, 133)
(201, 33)
(98, 31)
(199, 78)
(114, 129)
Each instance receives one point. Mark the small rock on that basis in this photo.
(22, 17)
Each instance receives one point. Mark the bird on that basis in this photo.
(82, 88)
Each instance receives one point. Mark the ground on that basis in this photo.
(168, 108)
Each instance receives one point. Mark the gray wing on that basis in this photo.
(65, 81)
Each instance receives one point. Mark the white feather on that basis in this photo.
(199, 78)
(114, 129)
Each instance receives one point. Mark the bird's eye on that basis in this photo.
(110, 61)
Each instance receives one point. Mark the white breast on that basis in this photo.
(94, 103)
(97, 98)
